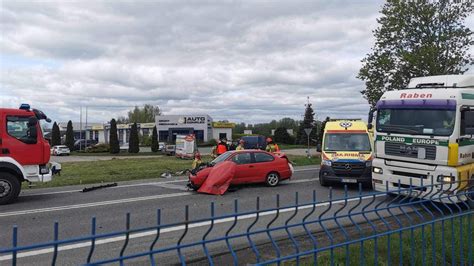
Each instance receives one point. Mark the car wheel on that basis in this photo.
(322, 181)
(9, 188)
(272, 179)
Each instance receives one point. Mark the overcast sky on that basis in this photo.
(241, 61)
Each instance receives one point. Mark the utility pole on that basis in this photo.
(86, 130)
(80, 131)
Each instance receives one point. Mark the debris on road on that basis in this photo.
(87, 189)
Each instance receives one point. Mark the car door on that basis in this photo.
(264, 164)
(245, 169)
(19, 146)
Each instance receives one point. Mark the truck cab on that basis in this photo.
(423, 134)
(24, 153)
(346, 152)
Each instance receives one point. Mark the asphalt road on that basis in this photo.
(37, 210)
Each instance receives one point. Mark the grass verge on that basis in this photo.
(77, 173)
(294, 146)
(445, 242)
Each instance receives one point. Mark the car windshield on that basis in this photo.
(416, 121)
(347, 142)
(221, 158)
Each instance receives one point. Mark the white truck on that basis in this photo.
(424, 133)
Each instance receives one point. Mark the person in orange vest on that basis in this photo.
(221, 147)
(272, 146)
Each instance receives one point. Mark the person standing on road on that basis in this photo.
(240, 147)
(197, 160)
(272, 146)
(221, 148)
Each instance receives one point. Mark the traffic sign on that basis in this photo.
(308, 131)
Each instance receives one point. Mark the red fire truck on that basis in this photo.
(24, 153)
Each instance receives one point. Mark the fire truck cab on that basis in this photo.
(24, 153)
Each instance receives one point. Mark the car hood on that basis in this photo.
(219, 179)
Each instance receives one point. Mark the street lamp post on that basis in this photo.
(308, 132)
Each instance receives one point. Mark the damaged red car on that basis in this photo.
(242, 167)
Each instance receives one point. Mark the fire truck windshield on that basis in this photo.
(416, 121)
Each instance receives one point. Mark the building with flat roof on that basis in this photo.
(168, 126)
(202, 126)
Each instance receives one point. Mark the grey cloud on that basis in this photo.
(241, 61)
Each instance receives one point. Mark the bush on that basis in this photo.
(114, 142)
(98, 148)
(155, 146)
(134, 141)
(145, 141)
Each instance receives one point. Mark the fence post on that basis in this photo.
(15, 245)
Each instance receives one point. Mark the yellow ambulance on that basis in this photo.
(346, 153)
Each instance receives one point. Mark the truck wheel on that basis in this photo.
(272, 179)
(10, 188)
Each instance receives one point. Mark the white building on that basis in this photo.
(201, 126)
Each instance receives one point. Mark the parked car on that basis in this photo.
(161, 146)
(59, 150)
(254, 142)
(84, 143)
(170, 150)
(252, 166)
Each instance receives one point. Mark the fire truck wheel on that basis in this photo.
(9, 188)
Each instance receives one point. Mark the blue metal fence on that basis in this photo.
(417, 225)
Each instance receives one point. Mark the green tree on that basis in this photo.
(321, 131)
(282, 136)
(134, 140)
(113, 138)
(239, 128)
(414, 39)
(155, 146)
(55, 135)
(146, 114)
(70, 136)
(308, 122)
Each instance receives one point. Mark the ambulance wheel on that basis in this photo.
(272, 179)
(322, 181)
(10, 188)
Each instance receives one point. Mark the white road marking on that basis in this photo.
(94, 204)
(172, 186)
(132, 185)
(306, 169)
(168, 230)
(119, 186)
